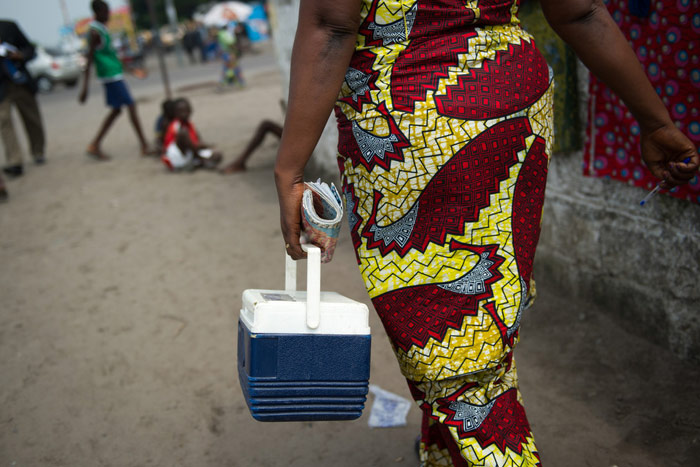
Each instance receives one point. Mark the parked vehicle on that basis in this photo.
(52, 66)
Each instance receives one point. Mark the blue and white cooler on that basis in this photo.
(303, 356)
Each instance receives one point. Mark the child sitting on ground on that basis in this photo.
(182, 146)
(167, 115)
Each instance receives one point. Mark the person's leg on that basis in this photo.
(136, 123)
(125, 98)
(224, 67)
(476, 419)
(93, 148)
(230, 65)
(28, 108)
(189, 150)
(265, 127)
(238, 74)
(176, 160)
(230, 74)
(190, 55)
(3, 191)
(113, 99)
(13, 151)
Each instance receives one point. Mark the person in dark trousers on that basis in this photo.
(19, 89)
(3, 191)
(192, 41)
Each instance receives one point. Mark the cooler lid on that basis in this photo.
(284, 312)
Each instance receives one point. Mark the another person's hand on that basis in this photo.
(290, 189)
(82, 97)
(664, 150)
(139, 73)
(15, 55)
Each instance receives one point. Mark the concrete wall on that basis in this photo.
(639, 264)
(598, 245)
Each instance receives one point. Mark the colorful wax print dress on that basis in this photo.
(445, 121)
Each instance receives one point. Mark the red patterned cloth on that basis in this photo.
(667, 45)
(445, 128)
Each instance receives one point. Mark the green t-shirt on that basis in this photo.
(107, 64)
(226, 40)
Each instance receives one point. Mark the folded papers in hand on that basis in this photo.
(321, 216)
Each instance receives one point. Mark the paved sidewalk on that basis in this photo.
(120, 285)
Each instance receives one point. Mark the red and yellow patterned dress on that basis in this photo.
(445, 121)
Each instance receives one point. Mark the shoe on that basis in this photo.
(14, 171)
(40, 159)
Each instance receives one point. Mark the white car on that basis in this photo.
(51, 66)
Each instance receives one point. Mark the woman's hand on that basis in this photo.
(664, 151)
(290, 188)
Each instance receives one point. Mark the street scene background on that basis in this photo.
(121, 282)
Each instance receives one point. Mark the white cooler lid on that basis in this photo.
(284, 312)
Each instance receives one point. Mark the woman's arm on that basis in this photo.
(323, 46)
(589, 29)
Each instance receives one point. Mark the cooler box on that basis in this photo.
(303, 356)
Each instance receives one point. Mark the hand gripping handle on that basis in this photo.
(313, 283)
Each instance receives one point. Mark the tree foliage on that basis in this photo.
(185, 9)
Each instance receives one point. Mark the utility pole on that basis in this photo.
(159, 49)
(64, 10)
(69, 41)
(172, 19)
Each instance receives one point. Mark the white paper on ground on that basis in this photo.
(388, 409)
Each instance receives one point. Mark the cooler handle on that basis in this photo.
(313, 283)
(313, 286)
(290, 274)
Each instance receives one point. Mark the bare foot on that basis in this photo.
(97, 154)
(232, 168)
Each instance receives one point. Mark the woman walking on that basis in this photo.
(444, 111)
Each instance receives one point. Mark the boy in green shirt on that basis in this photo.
(109, 71)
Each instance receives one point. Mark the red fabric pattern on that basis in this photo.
(413, 315)
(445, 31)
(506, 426)
(460, 189)
(515, 79)
(527, 207)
